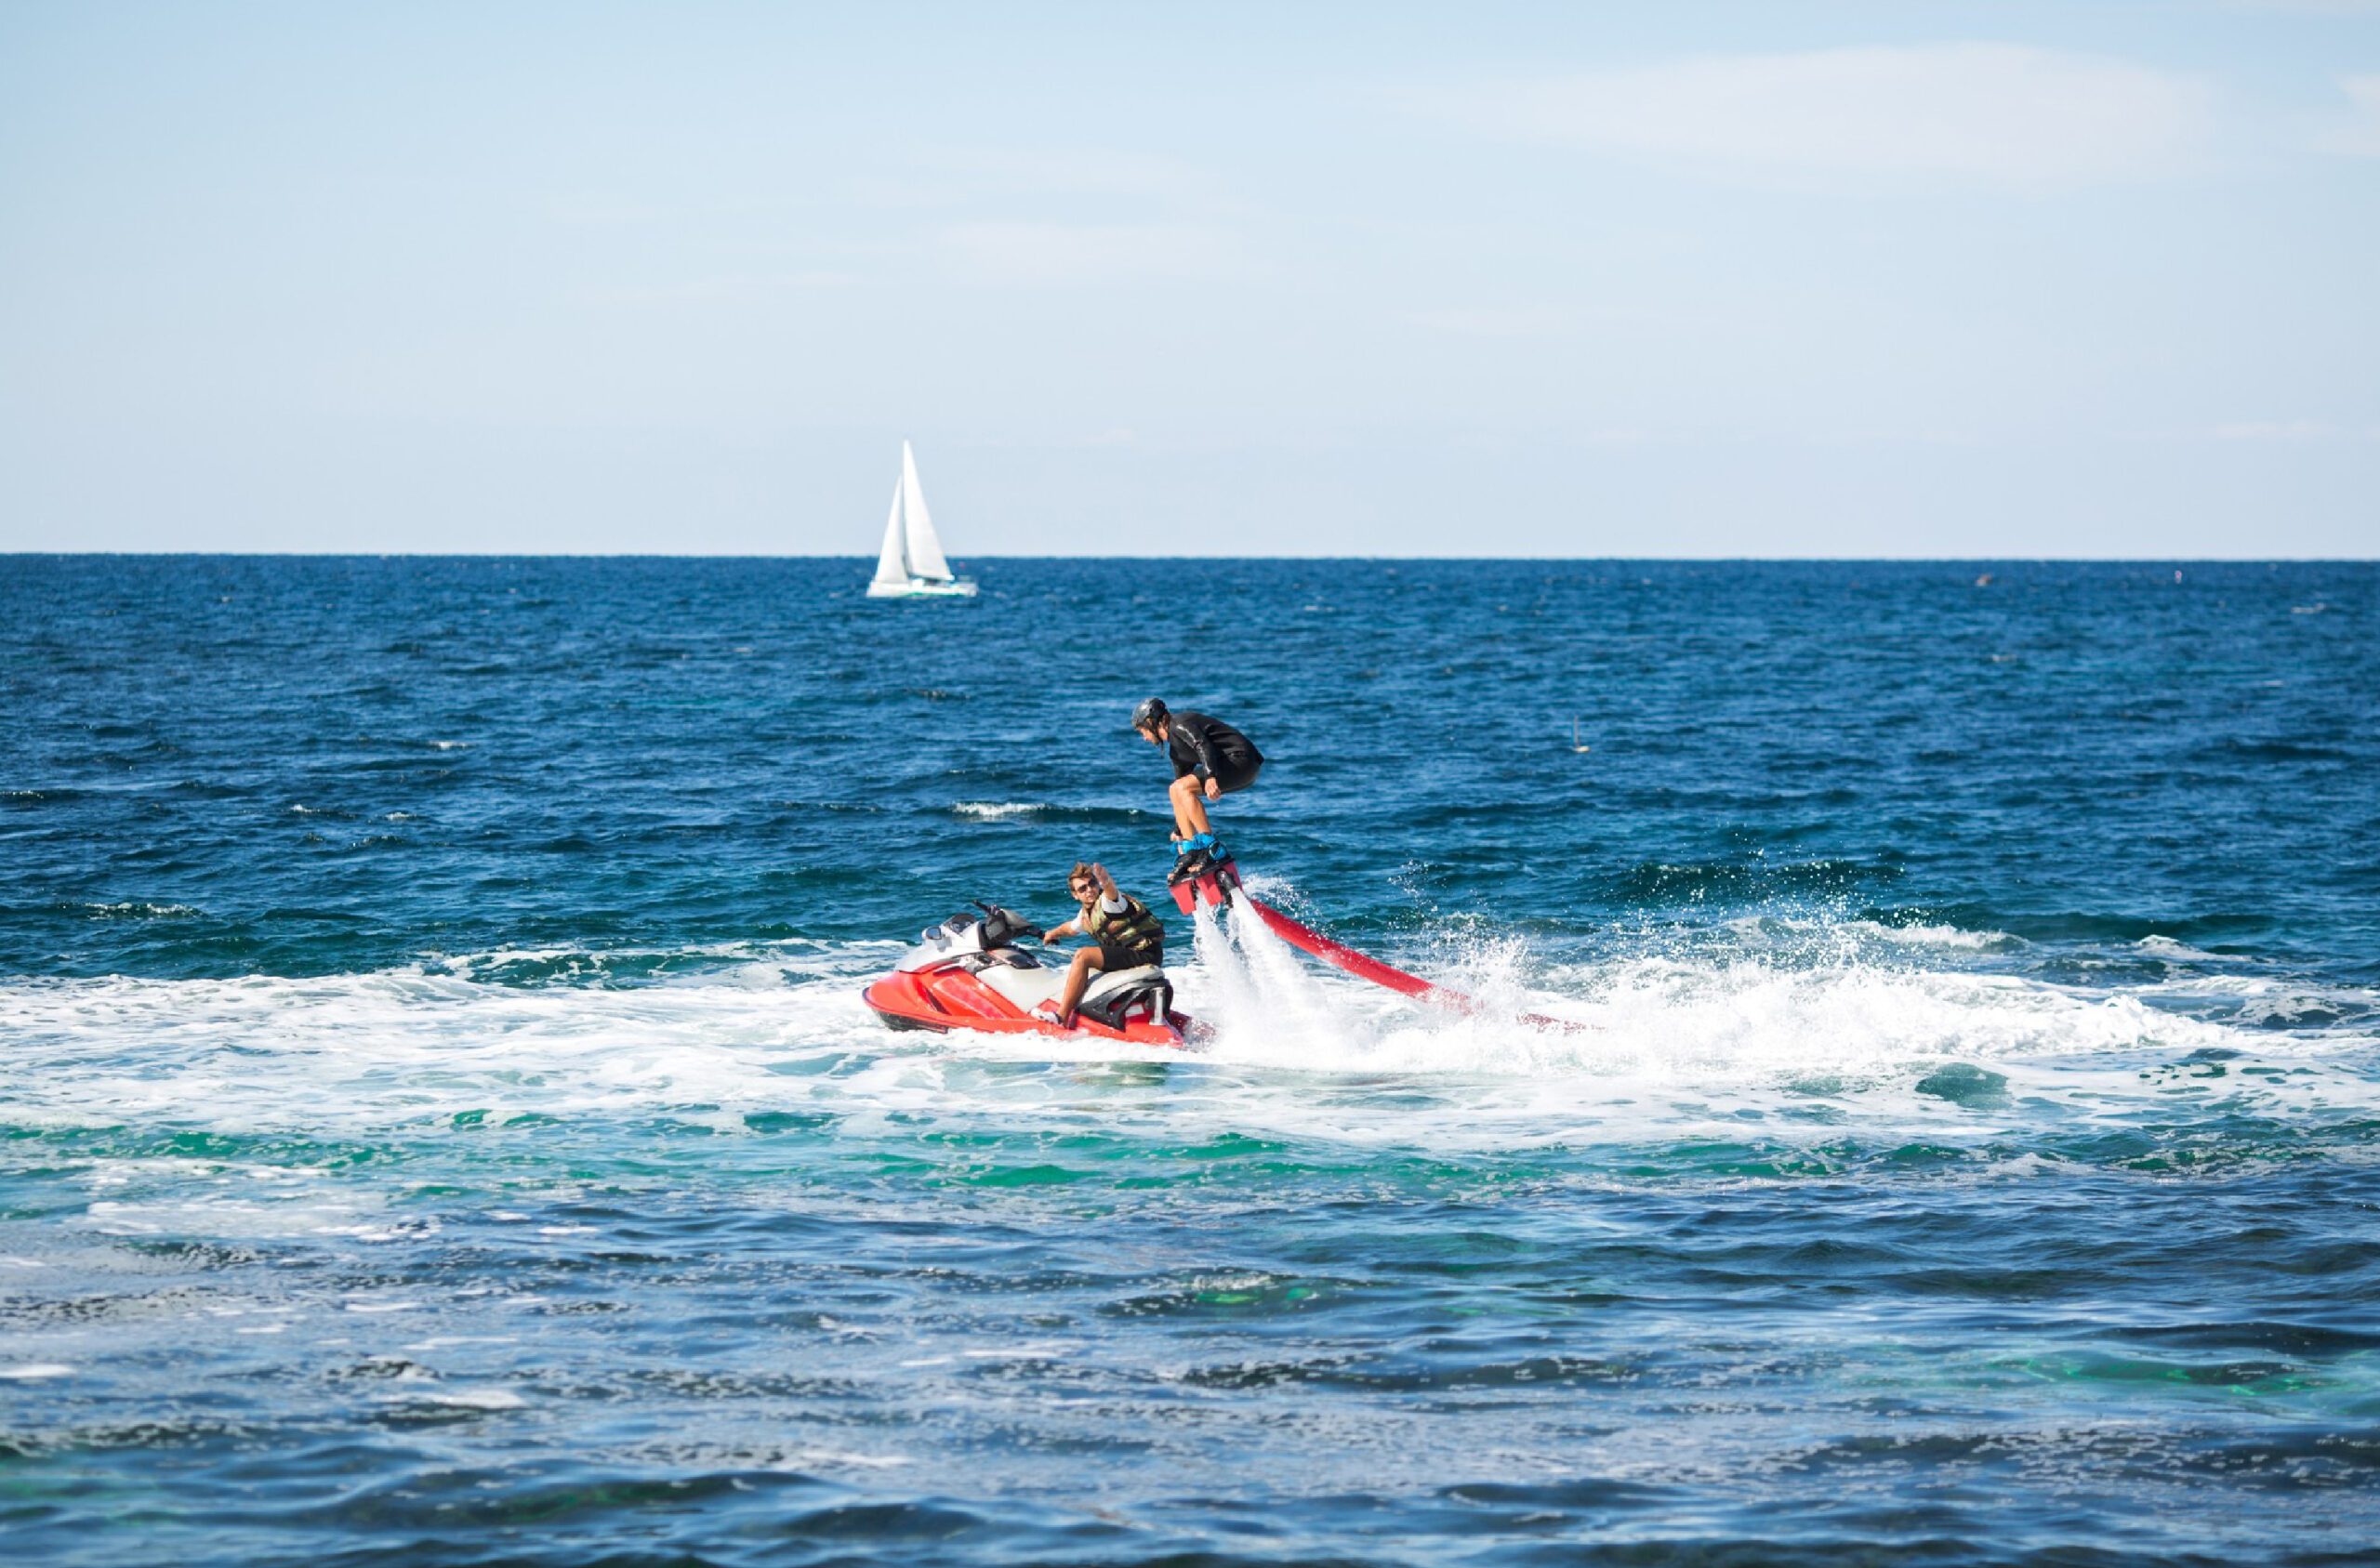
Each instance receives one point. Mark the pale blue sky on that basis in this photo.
(1688, 280)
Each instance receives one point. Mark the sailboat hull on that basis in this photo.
(924, 588)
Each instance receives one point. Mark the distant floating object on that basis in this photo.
(1574, 735)
(1984, 581)
(911, 565)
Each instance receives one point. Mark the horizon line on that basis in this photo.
(9, 552)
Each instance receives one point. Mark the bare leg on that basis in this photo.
(1189, 806)
(1077, 979)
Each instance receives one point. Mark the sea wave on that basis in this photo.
(139, 909)
(1046, 812)
(998, 810)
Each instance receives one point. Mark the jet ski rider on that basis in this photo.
(1211, 759)
(1127, 936)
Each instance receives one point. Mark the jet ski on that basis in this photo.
(968, 973)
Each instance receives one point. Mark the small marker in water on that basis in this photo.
(1574, 735)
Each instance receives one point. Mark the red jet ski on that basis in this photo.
(968, 973)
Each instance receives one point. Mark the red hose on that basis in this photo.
(1367, 967)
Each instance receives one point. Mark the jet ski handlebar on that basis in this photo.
(1003, 927)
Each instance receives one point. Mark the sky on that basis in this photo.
(1997, 281)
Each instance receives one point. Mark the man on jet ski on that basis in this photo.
(1211, 759)
(1126, 936)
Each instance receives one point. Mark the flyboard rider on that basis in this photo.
(1126, 935)
(1211, 759)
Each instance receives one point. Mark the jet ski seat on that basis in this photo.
(1107, 997)
(1028, 987)
(1107, 984)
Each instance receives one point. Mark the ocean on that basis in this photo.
(439, 1124)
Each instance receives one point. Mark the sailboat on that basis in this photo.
(911, 565)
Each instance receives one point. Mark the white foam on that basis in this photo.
(1732, 1032)
(1848, 939)
(458, 1398)
(2167, 947)
(1936, 936)
(816, 1458)
(480, 1399)
(996, 810)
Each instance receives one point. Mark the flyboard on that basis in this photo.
(1217, 884)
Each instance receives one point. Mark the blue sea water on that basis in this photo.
(438, 1122)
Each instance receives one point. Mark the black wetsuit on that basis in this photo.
(1210, 748)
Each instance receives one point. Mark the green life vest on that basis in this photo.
(1133, 929)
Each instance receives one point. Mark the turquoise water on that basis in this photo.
(439, 1123)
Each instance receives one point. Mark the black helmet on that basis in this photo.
(1150, 714)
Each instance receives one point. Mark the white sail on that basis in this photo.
(892, 564)
(911, 565)
(924, 551)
